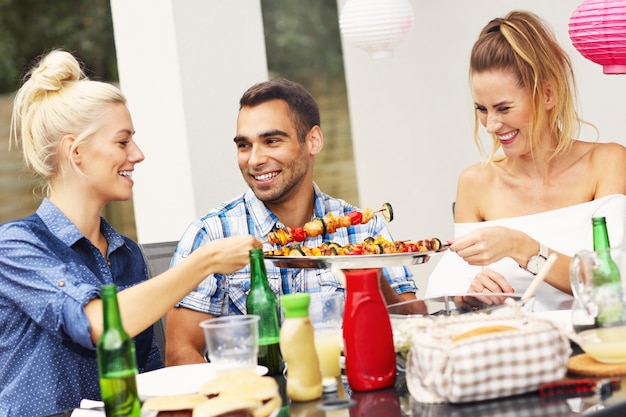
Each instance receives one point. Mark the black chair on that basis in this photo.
(158, 256)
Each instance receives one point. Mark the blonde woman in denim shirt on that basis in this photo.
(77, 134)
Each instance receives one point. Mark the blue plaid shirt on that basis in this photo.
(48, 272)
(226, 294)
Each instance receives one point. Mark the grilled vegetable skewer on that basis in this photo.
(326, 225)
(370, 246)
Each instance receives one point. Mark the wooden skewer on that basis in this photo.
(539, 277)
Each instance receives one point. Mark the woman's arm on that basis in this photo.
(143, 304)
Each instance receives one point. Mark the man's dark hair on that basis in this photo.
(304, 111)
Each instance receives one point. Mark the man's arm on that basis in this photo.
(184, 338)
(392, 297)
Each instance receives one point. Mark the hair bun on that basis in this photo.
(54, 70)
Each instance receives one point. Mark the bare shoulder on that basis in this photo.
(468, 201)
(480, 173)
(608, 164)
(608, 151)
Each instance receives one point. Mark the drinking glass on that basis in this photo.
(599, 308)
(326, 315)
(232, 342)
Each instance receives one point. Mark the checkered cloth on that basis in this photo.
(487, 366)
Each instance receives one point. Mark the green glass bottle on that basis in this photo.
(263, 302)
(117, 364)
(607, 283)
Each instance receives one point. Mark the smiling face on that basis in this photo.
(108, 157)
(504, 108)
(273, 162)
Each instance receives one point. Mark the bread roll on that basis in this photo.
(240, 393)
(225, 404)
(241, 383)
(174, 402)
(482, 330)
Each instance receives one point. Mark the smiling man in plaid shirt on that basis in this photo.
(278, 136)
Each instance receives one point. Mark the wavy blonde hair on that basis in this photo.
(523, 44)
(57, 99)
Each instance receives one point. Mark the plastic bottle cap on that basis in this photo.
(295, 305)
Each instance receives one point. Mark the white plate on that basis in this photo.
(354, 261)
(176, 380)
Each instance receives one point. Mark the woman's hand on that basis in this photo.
(230, 254)
(486, 245)
(489, 281)
(486, 282)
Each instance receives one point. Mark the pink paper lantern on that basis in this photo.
(597, 29)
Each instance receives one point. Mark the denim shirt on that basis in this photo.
(48, 272)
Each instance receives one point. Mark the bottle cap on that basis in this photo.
(295, 305)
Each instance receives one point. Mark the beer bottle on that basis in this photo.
(117, 364)
(263, 302)
(607, 284)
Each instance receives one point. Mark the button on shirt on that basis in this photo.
(48, 272)
(222, 294)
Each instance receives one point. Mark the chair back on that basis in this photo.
(158, 256)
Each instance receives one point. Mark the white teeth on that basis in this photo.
(508, 136)
(265, 177)
(127, 174)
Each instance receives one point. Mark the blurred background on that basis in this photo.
(302, 44)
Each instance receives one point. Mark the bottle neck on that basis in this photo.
(258, 274)
(600, 234)
(110, 309)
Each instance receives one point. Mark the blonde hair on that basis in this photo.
(523, 44)
(57, 99)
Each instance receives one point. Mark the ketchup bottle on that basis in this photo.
(368, 339)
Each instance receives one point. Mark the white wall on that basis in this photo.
(412, 114)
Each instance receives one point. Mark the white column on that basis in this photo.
(183, 65)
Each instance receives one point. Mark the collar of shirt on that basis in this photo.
(62, 227)
(266, 221)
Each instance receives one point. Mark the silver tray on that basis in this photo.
(354, 261)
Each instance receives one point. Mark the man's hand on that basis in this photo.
(184, 338)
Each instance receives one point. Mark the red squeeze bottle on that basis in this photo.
(368, 339)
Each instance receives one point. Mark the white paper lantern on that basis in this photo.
(377, 26)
